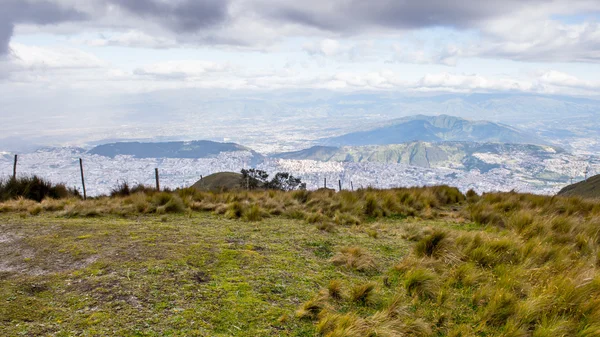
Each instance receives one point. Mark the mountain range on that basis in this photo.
(434, 129)
(465, 155)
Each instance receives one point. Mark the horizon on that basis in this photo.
(97, 70)
(281, 76)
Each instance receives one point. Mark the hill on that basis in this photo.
(467, 155)
(589, 188)
(219, 182)
(434, 129)
(192, 149)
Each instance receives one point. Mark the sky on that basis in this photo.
(104, 47)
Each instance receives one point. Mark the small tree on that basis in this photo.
(253, 179)
(286, 182)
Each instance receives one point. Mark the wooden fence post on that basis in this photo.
(15, 168)
(325, 183)
(351, 185)
(157, 180)
(340, 182)
(82, 178)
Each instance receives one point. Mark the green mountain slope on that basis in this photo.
(423, 154)
(434, 129)
(219, 182)
(589, 188)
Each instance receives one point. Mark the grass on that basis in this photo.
(400, 262)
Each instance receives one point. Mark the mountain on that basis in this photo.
(589, 188)
(464, 155)
(193, 149)
(434, 129)
(219, 181)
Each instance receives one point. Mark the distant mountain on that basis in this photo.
(589, 188)
(464, 155)
(434, 129)
(193, 149)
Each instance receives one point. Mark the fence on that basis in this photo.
(75, 171)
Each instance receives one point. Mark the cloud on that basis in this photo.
(560, 79)
(31, 12)
(326, 47)
(181, 70)
(135, 39)
(33, 58)
(447, 56)
(471, 82)
(181, 16)
(340, 51)
(351, 16)
(31, 63)
(549, 41)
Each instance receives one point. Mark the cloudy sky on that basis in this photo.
(116, 46)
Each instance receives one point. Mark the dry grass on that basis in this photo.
(499, 264)
(355, 258)
(520, 265)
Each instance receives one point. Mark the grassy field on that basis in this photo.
(406, 262)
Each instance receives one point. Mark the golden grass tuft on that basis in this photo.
(363, 293)
(355, 258)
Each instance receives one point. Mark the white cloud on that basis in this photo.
(340, 50)
(326, 47)
(547, 40)
(26, 57)
(134, 38)
(183, 69)
(404, 54)
(560, 79)
(468, 83)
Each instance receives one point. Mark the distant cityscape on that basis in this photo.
(103, 173)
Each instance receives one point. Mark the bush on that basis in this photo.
(124, 190)
(34, 188)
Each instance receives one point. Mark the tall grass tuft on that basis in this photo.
(355, 258)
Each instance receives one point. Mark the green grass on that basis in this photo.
(401, 262)
(198, 275)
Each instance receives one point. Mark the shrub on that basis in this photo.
(472, 196)
(121, 190)
(34, 188)
(447, 195)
